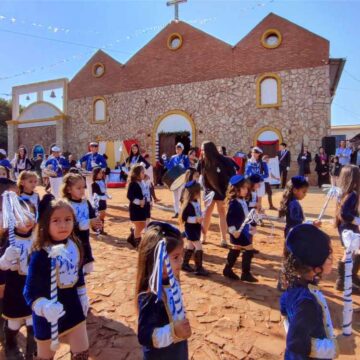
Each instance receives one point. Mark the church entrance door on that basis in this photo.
(173, 127)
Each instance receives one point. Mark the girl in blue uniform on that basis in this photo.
(191, 217)
(57, 227)
(240, 241)
(347, 218)
(310, 334)
(99, 188)
(139, 207)
(162, 334)
(73, 190)
(5, 185)
(14, 262)
(296, 190)
(27, 182)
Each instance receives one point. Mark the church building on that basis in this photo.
(276, 84)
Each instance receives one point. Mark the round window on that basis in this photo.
(98, 70)
(174, 41)
(271, 39)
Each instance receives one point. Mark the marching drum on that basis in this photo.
(174, 178)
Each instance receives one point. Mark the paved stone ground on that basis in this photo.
(230, 320)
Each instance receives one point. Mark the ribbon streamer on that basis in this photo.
(332, 192)
(352, 244)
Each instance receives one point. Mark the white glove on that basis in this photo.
(12, 254)
(88, 268)
(163, 156)
(51, 311)
(84, 300)
(288, 168)
(356, 220)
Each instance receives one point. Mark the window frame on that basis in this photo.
(259, 80)
(93, 120)
(171, 37)
(268, 33)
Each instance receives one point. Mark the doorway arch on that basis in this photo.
(174, 123)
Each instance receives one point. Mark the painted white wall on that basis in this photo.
(39, 111)
(174, 123)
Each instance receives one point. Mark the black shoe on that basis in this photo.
(131, 238)
(248, 277)
(30, 344)
(103, 232)
(199, 270)
(12, 351)
(339, 284)
(272, 208)
(255, 251)
(187, 268)
(187, 256)
(175, 216)
(228, 272)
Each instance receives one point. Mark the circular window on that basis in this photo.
(271, 39)
(98, 70)
(174, 41)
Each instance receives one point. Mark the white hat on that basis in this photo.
(257, 149)
(180, 145)
(2, 151)
(94, 143)
(55, 148)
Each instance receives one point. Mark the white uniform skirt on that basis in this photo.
(261, 190)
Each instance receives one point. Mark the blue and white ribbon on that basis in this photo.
(161, 258)
(352, 244)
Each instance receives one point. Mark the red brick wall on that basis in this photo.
(44, 135)
(202, 57)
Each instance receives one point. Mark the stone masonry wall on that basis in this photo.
(223, 111)
(43, 135)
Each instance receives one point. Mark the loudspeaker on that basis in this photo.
(329, 144)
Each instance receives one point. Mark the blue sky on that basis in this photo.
(43, 40)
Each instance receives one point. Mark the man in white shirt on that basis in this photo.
(344, 153)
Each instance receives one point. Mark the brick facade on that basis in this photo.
(202, 57)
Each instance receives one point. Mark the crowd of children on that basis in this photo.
(62, 227)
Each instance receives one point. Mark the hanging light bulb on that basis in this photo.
(27, 97)
(52, 95)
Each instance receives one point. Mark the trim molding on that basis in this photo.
(258, 90)
(267, 128)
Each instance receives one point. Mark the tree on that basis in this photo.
(5, 114)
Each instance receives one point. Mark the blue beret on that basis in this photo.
(299, 181)
(255, 178)
(309, 244)
(236, 179)
(190, 184)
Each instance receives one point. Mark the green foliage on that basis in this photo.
(5, 114)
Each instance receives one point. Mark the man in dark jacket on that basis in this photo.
(284, 157)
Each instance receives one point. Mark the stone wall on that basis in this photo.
(223, 111)
(43, 135)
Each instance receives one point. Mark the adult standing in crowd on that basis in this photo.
(344, 153)
(193, 160)
(355, 157)
(256, 165)
(21, 161)
(304, 160)
(322, 166)
(216, 170)
(89, 161)
(57, 165)
(135, 157)
(284, 157)
(179, 159)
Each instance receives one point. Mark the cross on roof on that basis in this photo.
(176, 3)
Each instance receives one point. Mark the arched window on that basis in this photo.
(99, 110)
(268, 91)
